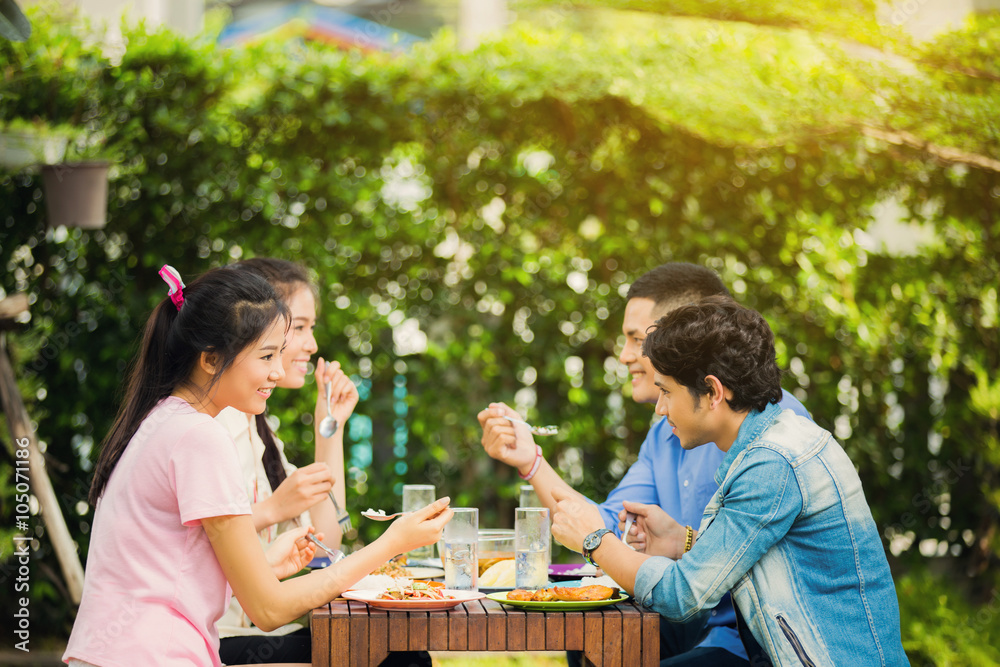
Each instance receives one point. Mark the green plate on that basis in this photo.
(556, 605)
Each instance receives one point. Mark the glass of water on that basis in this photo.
(416, 496)
(528, 497)
(532, 536)
(461, 550)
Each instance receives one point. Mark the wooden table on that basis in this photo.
(351, 633)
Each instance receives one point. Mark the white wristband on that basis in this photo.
(535, 466)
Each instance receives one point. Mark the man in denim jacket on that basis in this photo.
(789, 531)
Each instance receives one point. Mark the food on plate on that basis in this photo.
(584, 593)
(520, 594)
(541, 595)
(416, 590)
(564, 594)
(498, 575)
(394, 568)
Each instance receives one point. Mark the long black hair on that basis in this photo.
(286, 278)
(223, 312)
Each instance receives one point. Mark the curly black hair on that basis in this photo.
(717, 336)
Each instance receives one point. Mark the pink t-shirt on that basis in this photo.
(154, 589)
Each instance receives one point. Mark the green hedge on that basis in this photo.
(502, 200)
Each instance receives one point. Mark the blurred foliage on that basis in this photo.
(475, 219)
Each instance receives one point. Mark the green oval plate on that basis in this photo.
(556, 605)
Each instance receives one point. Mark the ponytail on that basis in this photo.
(148, 384)
(273, 467)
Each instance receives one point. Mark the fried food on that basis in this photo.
(584, 593)
(541, 595)
(564, 594)
(520, 595)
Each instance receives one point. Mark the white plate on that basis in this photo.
(371, 597)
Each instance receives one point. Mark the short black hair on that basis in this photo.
(676, 283)
(719, 337)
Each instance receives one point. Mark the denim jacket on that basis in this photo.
(789, 532)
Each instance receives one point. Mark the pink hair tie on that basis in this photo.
(172, 278)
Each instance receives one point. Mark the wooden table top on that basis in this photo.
(352, 633)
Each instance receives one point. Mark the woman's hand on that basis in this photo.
(655, 532)
(291, 551)
(343, 393)
(304, 488)
(420, 527)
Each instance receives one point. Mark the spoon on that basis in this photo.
(380, 515)
(535, 430)
(329, 425)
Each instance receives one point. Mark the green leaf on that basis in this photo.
(14, 24)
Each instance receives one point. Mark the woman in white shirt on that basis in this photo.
(282, 495)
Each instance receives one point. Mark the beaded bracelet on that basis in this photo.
(535, 466)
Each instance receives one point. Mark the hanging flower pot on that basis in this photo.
(76, 194)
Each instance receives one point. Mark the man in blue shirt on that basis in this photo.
(679, 481)
(788, 533)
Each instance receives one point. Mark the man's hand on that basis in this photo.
(506, 441)
(655, 532)
(291, 552)
(574, 519)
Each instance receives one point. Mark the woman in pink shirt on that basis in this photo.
(173, 529)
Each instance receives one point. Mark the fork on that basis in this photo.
(535, 430)
(336, 555)
(343, 518)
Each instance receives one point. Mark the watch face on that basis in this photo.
(593, 540)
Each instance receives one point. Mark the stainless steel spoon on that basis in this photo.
(535, 430)
(380, 515)
(329, 425)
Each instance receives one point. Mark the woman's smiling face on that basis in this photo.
(247, 384)
(300, 344)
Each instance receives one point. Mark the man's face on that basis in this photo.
(639, 316)
(690, 418)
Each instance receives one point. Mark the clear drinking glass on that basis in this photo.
(532, 536)
(416, 496)
(528, 497)
(461, 550)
